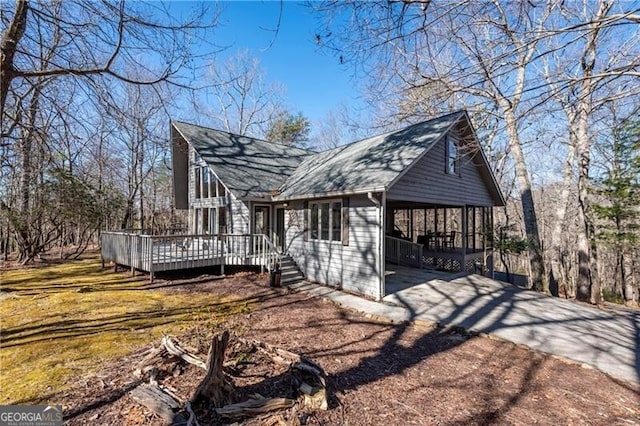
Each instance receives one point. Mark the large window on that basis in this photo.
(452, 160)
(325, 220)
(206, 184)
(205, 221)
(198, 179)
(206, 174)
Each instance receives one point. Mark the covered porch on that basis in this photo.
(439, 237)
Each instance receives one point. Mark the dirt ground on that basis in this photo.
(378, 373)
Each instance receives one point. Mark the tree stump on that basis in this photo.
(215, 387)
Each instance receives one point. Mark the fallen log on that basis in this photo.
(174, 349)
(153, 357)
(158, 401)
(309, 377)
(255, 405)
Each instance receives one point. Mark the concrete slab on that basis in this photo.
(606, 340)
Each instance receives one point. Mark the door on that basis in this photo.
(280, 235)
(261, 220)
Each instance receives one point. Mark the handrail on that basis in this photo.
(154, 253)
(272, 247)
(403, 251)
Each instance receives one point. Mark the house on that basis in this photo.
(422, 195)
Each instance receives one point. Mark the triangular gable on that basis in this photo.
(475, 152)
(371, 164)
(248, 167)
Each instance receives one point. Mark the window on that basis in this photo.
(325, 220)
(222, 220)
(221, 191)
(205, 222)
(452, 160)
(336, 221)
(198, 182)
(314, 221)
(205, 182)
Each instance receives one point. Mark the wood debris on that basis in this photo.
(216, 390)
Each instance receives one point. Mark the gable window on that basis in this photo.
(198, 177)
(452, 159)
(206, 184)
(325, 220)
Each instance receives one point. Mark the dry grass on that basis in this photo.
(59, 322)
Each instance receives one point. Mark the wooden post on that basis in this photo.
(465, 237)
(425, 221)
(411, 226)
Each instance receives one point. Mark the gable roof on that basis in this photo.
(249, 167)
(252, 167)
(371, 164)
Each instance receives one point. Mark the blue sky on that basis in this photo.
(315, 81)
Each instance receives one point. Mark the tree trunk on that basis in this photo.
(596, 294)
(8, 48)
(630, 288)
(557, 276)
(536, 262)
(215, 387)
(583, 292)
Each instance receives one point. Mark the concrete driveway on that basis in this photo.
(608, 340)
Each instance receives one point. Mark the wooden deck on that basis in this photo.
(156, 253)
(456, 259)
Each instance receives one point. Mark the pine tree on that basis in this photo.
(619, 210)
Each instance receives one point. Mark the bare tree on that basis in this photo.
(238, 98)
(61, 53)
(463, 54)
(486, 57)
(591, 70)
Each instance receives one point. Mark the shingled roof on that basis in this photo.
(371, 164)
(249, 167)
(255, 168)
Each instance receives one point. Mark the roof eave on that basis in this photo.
(330, 194)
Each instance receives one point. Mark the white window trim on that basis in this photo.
(319, 203)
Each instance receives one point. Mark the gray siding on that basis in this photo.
(354, 267)
(239, 216)
(180, 159)
(427, 181)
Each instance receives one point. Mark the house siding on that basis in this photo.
(355, 267)
(427, 181)
(239, 216)
(180, 159)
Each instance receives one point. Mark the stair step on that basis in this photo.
(290, 272)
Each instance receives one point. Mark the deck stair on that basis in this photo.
(291, 274)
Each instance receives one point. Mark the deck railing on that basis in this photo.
(154, 253)
(403, 252)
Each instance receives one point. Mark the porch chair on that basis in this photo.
(427, 240)
(450, 240)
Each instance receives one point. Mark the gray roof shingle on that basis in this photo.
(249, 167)
(367, 165)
